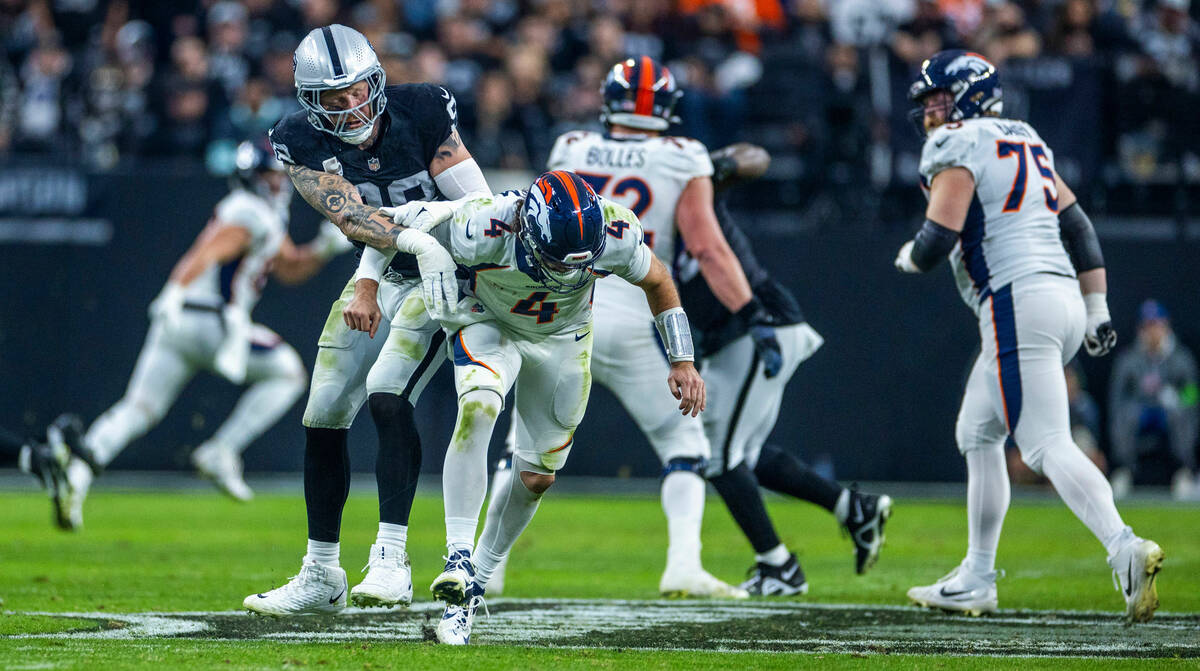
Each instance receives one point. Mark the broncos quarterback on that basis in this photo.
(355, 146)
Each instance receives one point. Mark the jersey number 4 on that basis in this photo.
(1005, 149)
(536, 306)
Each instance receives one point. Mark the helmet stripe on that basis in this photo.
(645, 88)
(338, 71)
(569, 185)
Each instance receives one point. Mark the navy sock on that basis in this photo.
(398, 464)
(326, 481)
(739, 490)
(783, 472)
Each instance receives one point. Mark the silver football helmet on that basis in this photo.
(335, 57)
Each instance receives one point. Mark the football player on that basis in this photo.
(201, 321)
(358, 145)
(1027, 262)
(45, 461)
(668, 182)
(535, 257)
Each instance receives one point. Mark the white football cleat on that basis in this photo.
(316, 589)
(1134, 569)
(677, 583)
(455, 626)
(452, 585)
(224, 467)
(388, 582)
(960, 591)
(80, 476)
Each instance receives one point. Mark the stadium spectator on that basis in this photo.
(1153, 403)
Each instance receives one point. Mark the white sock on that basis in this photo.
(683, 504)
(988, 495)
(323, 553)
(1118, 540)
(392, 535)
(776, 556)
(841, 509)
(514, 507)
(501, 480)
(1084, 489)
(464, 472)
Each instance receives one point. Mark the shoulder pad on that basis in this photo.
(950, 145)
(685, 157)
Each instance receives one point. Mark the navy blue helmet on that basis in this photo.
(252, 158)
(640, 93)
(968, 77)
(562, 229)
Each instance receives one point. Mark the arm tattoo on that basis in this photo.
(338, 200)
(447, 149)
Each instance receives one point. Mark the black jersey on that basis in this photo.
(713, 326)
(417, 120)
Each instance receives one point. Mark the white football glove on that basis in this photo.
(167, 307)
(439, 286)
(1100, 336)
(330, 241)
(904, 262)
(421, 215)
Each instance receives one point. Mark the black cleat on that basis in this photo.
(864, 522)
(48, 467)
(766, 580)
(67, 431)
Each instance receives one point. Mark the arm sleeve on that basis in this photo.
(952, 145)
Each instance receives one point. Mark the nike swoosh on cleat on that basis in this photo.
(261, 596)
(953, 594)
(1129, 578)
(858, 512)
(337, 596)
(581, 337)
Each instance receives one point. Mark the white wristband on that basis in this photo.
(413, 241)
(676, 334)
(1097, 304)
(372, 264)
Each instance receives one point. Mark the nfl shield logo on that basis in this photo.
(373, 164)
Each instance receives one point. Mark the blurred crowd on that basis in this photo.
(820, 82)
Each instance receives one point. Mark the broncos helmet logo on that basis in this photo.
(562, 230)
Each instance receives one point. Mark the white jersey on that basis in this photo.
(645, 173)
(240, 281)
(480, 237)
(1011, 229)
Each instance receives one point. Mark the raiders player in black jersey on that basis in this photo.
(358, 145)
(747, 384)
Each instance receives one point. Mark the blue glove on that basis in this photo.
(762, 331)
(767, 347)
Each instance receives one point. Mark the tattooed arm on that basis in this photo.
(337, 199)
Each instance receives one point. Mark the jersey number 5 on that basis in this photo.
(1004, 149)
(536, 306)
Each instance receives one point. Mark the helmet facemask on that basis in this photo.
(336, 122)
(559, 275)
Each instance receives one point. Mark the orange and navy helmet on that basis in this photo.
(562, 230)
(640, 93)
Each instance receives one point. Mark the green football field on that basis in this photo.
(157, 579)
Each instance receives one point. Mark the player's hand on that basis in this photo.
(904, 262)
(362, 312)
(687, 386)
(768, 349)
(167, 307)
(1099, 337)
(423, 216)
(439, 286)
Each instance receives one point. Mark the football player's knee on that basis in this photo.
(537, 483)
(329, 407)
(150, 409)
(477, 412)
(686, 465)
(1033, 452)
(968, 439)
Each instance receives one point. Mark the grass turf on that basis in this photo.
(196, 551)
